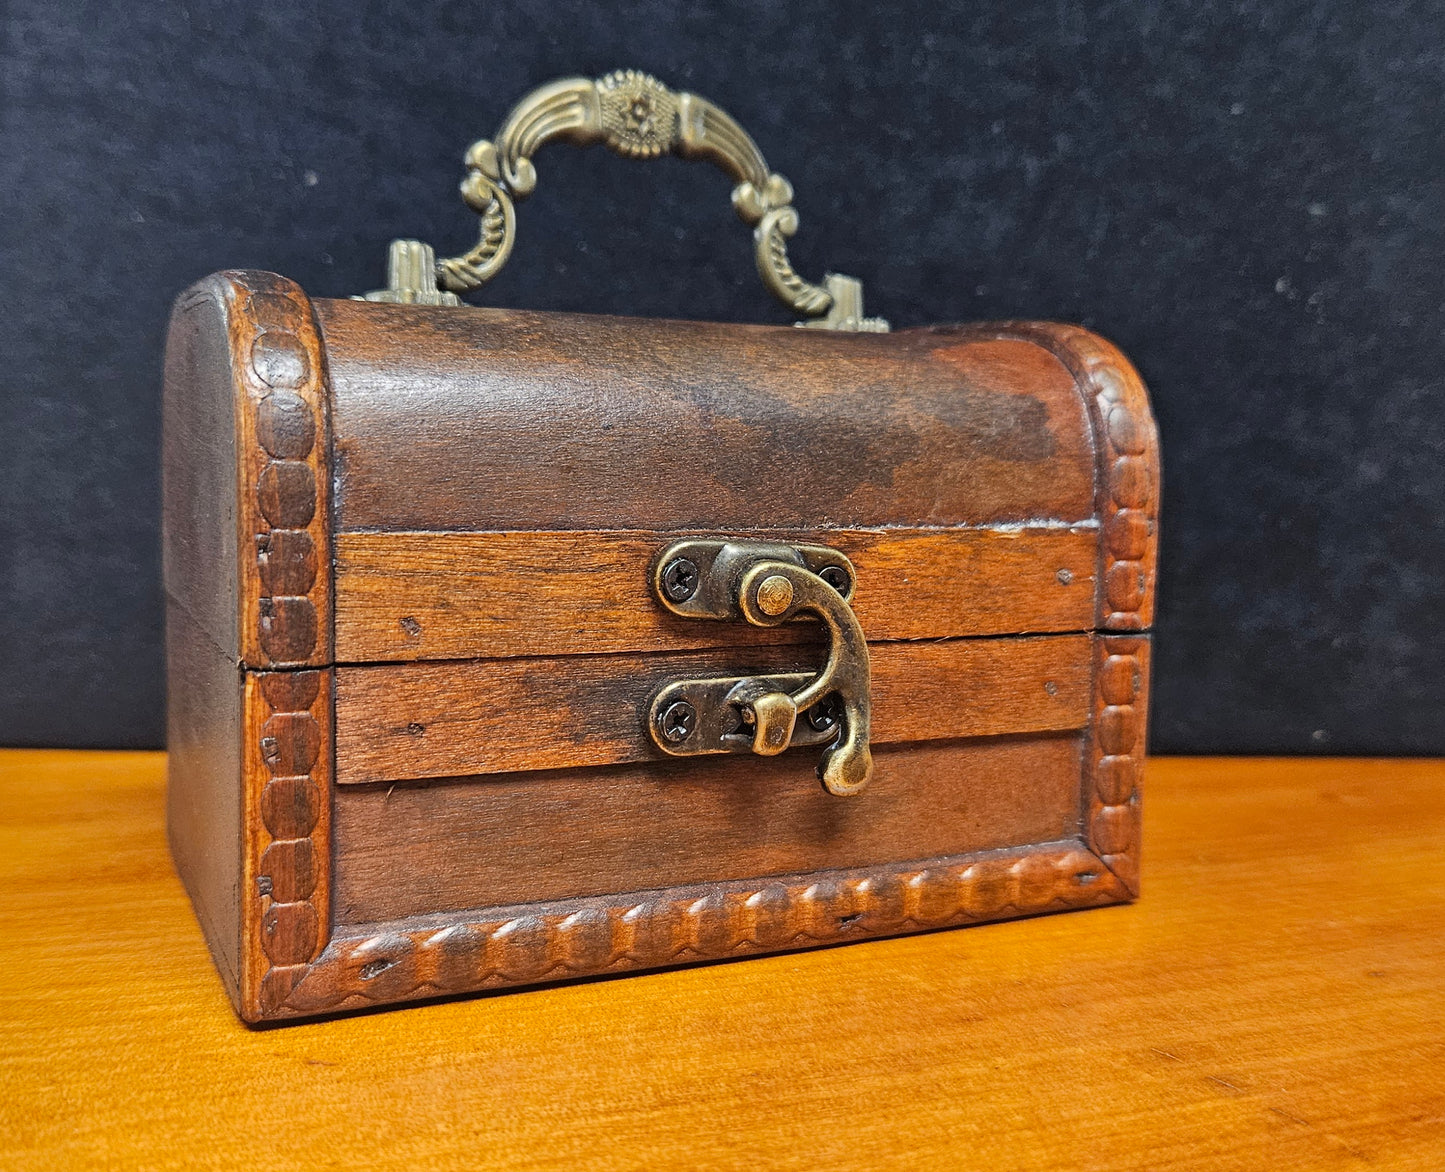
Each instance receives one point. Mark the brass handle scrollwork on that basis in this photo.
(637, 117)
(766, 585)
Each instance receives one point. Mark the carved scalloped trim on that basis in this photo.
(590, 937)
(1121, 695)
(294, 971)
(1127, 503)
(1127, 476)
(283, 444)
(287, 872)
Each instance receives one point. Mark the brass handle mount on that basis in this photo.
(766, 585)
(638, 117)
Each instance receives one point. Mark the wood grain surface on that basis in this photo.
(206, 822)
(407, 596)
(406, 721)
(1274, 1001)
(527, 838)
(498, 419)
(246, 474)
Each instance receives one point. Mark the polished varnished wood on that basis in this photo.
(200, 480)
(383, 962)
(1126, 441)
(1114, 762)
(247, 555)
(570, 421)
(511, 839)
(204, 810)
(246, 470)
(407, 596)
(286, 861)
(494, 485)
(419, 720)
(1274, 1001)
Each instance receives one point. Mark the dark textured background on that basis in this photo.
(1247, 197)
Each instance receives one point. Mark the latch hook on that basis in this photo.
(766, 585)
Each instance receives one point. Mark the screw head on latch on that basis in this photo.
(680, 579)
(677, 721)
(825, 713)
(836, 577)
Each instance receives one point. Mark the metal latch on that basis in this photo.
(766, 585)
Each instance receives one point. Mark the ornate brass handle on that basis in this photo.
(765, 585)
(637, 117)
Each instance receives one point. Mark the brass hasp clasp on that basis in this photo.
(767, 584)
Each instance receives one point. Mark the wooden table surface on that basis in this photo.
(1276, 1000)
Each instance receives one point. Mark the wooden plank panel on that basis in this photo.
(417, 849)
(472, 418)
(409, 596)
(399, 721)
(203, 808)
(198, 468)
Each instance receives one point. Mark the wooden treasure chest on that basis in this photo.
(511, 647)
